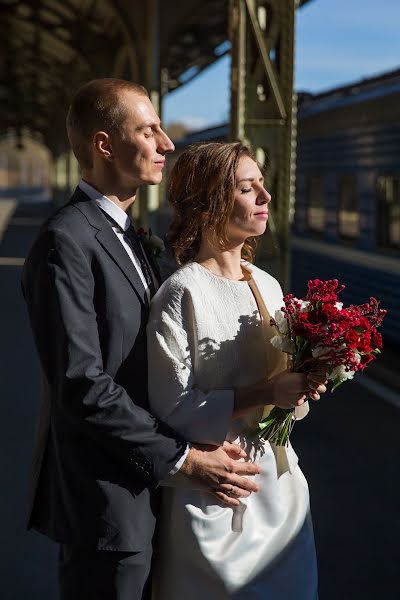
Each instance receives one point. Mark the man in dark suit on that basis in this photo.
(100, 455)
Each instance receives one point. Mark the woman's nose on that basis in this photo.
(264, 197)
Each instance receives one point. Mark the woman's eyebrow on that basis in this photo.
(250, 179)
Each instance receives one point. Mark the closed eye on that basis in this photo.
(245, 190)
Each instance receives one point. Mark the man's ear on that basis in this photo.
(102, 145)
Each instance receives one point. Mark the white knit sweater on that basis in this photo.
(205, 340)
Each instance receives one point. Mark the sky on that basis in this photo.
(337, 42)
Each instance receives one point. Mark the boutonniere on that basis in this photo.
(153, 247)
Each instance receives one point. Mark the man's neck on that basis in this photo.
(122, 198)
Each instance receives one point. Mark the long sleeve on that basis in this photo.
(59, 288)
(201, 416)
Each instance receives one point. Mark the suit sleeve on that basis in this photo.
(58, 287)
(200, 416)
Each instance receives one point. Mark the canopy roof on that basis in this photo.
(48, 48)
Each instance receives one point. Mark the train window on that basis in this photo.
(315, 204)
(388, 211)
(348, 215)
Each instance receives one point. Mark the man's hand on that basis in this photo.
(220, 471)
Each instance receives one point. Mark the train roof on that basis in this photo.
(364, 90)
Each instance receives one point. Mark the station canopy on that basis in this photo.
(48, 48)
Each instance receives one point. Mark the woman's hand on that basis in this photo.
(317, 381)
(286, 390)
(289, 390)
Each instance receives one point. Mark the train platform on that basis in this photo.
(348, 448)
(386, 370)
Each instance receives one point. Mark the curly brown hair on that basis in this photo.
(202, 194)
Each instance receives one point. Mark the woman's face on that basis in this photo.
(250, 212)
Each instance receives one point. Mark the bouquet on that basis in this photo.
(318, 329)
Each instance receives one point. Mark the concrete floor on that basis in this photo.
(348, 448)
(28, 561)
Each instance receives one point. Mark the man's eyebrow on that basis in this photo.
(250, 179)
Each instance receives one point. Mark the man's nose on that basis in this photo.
(164, 143)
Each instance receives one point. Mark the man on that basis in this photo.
(100, 455)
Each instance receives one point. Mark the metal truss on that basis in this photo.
(48, 48)
(263, 108)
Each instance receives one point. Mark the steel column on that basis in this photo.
(263, 110)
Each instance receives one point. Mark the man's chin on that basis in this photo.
(153, 179)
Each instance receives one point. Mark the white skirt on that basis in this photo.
(264, 550)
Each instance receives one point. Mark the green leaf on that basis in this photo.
(335, 384)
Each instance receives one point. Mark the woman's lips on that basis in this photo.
(262, 215)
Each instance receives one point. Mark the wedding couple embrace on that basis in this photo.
(146, 453)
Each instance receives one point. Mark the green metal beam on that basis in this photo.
(263, 109)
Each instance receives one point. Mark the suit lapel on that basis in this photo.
(109, 241)
(115, 249)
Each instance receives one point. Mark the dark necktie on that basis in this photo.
(134, 240)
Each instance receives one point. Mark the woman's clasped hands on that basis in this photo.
(289, 389)
(286, 390)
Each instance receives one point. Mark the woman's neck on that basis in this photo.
(224, 263)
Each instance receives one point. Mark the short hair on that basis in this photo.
(201, 191)
(97, 106)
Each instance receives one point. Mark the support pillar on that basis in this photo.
(263, 110)
(149, 196)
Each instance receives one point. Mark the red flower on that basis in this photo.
(351, 339)
(376, 339)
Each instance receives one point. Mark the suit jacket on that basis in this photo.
(99, 454)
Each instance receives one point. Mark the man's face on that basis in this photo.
(139, 148)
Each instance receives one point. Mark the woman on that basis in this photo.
(212, 371)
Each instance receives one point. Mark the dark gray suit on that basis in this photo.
(99, 453)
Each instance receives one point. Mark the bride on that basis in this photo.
(208, 344)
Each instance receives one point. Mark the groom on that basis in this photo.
(99, 454)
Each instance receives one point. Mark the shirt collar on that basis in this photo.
(109, 207)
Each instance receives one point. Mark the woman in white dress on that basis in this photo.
(212, 372)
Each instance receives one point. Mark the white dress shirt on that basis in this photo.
(122, 223)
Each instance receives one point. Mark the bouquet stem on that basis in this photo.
(276, 428)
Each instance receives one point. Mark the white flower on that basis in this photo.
(339, 373)
(339, 305)
(304, 305)
(284, 343)
(157, 242)
(281, 322)
(321, 351)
